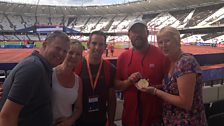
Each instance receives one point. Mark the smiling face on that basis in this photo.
(74, 55)
(168, 40)
(55, 51)
(96, 47)
(138, 35)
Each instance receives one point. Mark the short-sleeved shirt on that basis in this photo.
(173, 115)
(152, 65)
(101, 91)
(29, 84)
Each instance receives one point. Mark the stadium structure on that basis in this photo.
(201, 22)
(31, 22)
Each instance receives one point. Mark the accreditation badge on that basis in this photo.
(93, 104)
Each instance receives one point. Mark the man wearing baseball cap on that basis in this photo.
(143, 61)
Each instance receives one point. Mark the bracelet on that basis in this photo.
(154, 91)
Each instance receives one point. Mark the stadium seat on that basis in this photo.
(216, 120)
(2, 76)
(216, 108)
(210, 94)
(221, 93)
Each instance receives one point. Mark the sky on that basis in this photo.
(71, 2)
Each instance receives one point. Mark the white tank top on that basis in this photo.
(63, 98)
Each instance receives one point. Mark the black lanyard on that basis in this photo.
(139, 110)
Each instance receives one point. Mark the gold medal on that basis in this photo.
(142, 83)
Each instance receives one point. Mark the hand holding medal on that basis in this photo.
(144, 86)
(143, 83)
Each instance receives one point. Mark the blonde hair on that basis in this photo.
(76, 42)
(173, 31)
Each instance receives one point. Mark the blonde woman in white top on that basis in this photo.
(67, 88)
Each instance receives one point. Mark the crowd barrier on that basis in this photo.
(210, 59)
(213, 89)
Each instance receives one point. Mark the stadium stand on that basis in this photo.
(19, 22)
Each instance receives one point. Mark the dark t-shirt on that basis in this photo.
(29, 84)
(101, 91)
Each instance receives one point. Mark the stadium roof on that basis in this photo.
(142, 6)
(70, 2)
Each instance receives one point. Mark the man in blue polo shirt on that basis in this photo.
(26, 99)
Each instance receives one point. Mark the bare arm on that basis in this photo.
(78, 104)
(186, 87)
(122, 85)
(77, 110)
(111, 106)
(10, 113)
(132, 79)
